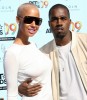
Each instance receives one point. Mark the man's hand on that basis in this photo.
(29, 90)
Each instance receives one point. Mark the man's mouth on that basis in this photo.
(59, 28)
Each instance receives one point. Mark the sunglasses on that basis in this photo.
(30, 19)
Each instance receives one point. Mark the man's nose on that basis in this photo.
(59, 21)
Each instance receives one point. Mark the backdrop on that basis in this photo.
(8, 25)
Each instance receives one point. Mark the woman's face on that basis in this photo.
(29, 22)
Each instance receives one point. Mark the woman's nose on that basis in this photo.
(33, 23)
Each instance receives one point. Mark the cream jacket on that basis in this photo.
(79, 52)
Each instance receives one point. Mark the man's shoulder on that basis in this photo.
(82, 39)
(79, 35)
(82, 36)
(47, 47)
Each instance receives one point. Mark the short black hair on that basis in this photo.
(58, 6)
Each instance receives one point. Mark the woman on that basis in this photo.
(23, 59)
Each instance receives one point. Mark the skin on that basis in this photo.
(24, 32)
(29, 90)
(59, 24)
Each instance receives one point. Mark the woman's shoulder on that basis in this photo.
(13, 49)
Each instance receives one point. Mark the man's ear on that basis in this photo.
(70, 20)
(17, 19)
(49, 26)
(49, 23)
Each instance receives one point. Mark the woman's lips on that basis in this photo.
(32, 31)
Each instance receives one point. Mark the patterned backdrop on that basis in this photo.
(8, 25)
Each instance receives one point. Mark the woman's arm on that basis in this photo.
(11, 71)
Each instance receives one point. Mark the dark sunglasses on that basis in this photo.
(30, 19)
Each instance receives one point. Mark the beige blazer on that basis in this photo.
(79, 52)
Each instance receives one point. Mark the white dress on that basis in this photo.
(27, 61)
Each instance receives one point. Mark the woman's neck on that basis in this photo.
(21, 41)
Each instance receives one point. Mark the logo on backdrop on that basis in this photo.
(1, 30)
(76, 26)
(2, 51)
(48, 31)
(6, 8)
(7, 31)
(73, 7)
(10, 28)
(2, 82)
(40, 4)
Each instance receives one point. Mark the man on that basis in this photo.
(68, 51)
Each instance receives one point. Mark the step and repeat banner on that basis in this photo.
(8, 26)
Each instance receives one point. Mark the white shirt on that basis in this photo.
(71, 87)
(26, 61)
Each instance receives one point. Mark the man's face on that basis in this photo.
(59, 22)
